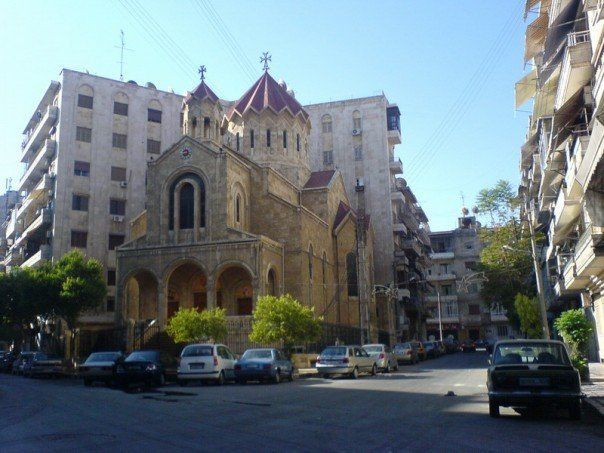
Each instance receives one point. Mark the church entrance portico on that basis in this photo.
(187, 288)
(141, 296)
(235, 290)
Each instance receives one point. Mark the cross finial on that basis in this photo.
(265, 58)
(202, 71)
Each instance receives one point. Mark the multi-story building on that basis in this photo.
(358, 137)
(562, 172)
(463, 312)
(85, 151)
(7, 203)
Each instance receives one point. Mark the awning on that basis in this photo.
(561, 26)
(565, 116)
(546, 97)
(535, 36)
(545, 4)
(526, 88)
(528, 149)
(593, 155)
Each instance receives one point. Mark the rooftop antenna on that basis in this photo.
(9, 183)
(122, 47)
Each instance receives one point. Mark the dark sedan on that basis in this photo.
(146, 368)
(468, 346)
(100, 366)
(42, 364)
(526, 374)
(263, 365)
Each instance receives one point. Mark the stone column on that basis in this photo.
(211, 293)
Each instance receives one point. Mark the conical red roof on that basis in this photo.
(267, 93)
(202, 92)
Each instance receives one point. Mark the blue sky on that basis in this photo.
(450, 65)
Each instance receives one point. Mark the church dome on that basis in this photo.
(203, 91)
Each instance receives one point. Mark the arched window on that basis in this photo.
(206, 127)
(326, 124)
(271, 283)
(284, 139)
(268, 138)
(298, 142)
(356, 120)
(252, 138)
(351, 274)
(310, 257)
(187, 206)
(202, 199)
(237, 140)
(238, 208)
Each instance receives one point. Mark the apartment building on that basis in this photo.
(85, 153)
(358, 137)
(463, 312)
(562, 172)
(7, 202)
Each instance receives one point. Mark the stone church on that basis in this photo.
(233, 212)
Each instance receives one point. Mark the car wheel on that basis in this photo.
(373, 370)
(493, 409)
(396, 367)
(575, 411)
(220, 380)
(325, 376)
(355, 373)
(87, 382)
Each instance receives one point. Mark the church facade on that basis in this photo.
(233, 212)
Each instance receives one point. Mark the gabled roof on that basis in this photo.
(266, 93)
(202, 92)
(319, 179)
(344, 211)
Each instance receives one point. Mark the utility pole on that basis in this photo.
(440, 320)
(361, 266)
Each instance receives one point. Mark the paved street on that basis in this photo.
(400, 411)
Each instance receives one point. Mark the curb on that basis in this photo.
(599, 407)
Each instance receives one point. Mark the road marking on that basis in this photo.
(459, 385)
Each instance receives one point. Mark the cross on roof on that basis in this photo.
(202, 71)
(265, 58)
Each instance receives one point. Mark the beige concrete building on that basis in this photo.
(358, 137)
(85, 153)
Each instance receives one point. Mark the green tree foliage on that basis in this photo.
(576, 330)
(189, 325)
(528, 312)
(498, 202)
(284, 319)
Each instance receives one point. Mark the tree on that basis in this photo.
(576, 330)
(283, 319)
(499, 202)
(189, 325)
(528, 312)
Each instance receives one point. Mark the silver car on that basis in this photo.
(100, 366)
(384, 359)
(405, 353)
(346, 360)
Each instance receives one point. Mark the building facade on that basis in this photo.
(464, 314)
(358, 137)
(85, 152)
(562, 171)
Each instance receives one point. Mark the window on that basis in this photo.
(83, 134)
(327, 157)
(119, 108)
(358, 152)
(470, 265)
(272, 283)
(154, 115)
(118, 174)
(298, 142)
(81, 168)
(238, 209)
(79, 202)
(444, 268)
(326, 124)
(202, 200)
(237, 140)
(351, 274)
(187, 206)
(120, 140)
(252, 138)
(451, 309)
(110, 277)
(182, 119)
(115, 240)
(153, 146)
(502, 331)
(310, 258)
(356, 120)
(111, 304)
(268, 138)
(474, 309)
(447, 290)
(79, 238)
(468, 245)
(85, 101)
(117, 207)
(284, 139)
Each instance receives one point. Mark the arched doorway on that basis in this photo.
(187, 288)
(271, 283)
(141, 291)
(234, 291)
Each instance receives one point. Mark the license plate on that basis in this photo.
(196, 366)
(252, 366)
(534, 382)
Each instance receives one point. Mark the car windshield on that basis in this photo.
(198, 351)
(403, 346)
(141, 356)
(334, 350)
(102, 357)
(372, 349)
(257, 354)
(527, 353)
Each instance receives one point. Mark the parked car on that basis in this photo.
(263, 365)
(6, 361)
(468, 346)
(347, 360)
(206, 362)
(21, 361)
(384, 358)
(451, 345)
(143, 367)
(405, 353)
(42, 364)
(524, 374)
(100, 367)
(419, 347)
(431, 350)
(440, 347)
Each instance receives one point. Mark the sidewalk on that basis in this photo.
(594, 388)
(307, 372)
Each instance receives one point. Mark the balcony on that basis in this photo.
(39, 132)
(576, 67)
(587, 259)
(38, 166)
(441, 277)
(14, 257)
(396, 166)
(43, 218)
(399, 227)
(566, 210)
(472, 319)
(439, 256)
(412, 245)
(498, 317)
(423, 237)
(36, 197)
(444, 319)
(443, 298)
(13, 227)
(397, 196)
(44, 254)
(574, 159)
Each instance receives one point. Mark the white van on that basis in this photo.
(203, 362)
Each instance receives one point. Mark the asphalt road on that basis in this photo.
(407, 410)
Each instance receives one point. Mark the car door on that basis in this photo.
(229, 362)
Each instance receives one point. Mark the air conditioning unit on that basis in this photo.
(360, 186)
(124, 184)
(357, 132)
(51, 193)
(117, 218)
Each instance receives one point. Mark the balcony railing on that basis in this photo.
(39, 132)
(442, 256)
(578, 37)
(396, 166)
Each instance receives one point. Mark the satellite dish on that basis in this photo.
(475, 209)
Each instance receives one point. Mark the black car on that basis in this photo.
(148, 368)
(451, 345)
(527, 374)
